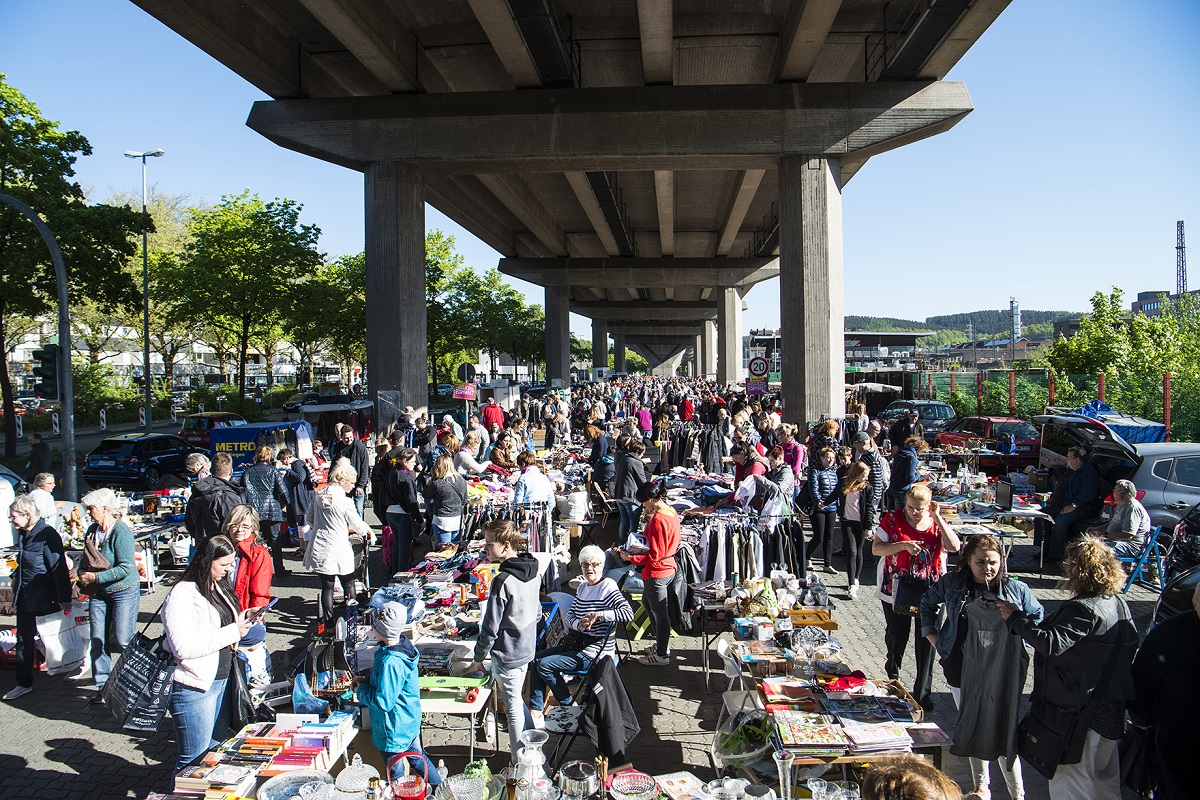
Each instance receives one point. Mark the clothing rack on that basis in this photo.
(745, 543)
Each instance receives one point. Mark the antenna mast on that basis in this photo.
(1180, 260)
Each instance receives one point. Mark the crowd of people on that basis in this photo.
(853, 479)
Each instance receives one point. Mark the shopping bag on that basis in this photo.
(241, 704)
(64, 639)
(138, 690)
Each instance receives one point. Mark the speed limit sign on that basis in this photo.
(758, 367)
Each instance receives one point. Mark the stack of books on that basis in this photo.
(807, 733)
(293, 741)
(215, 782)
(868, 724)
(784, 693)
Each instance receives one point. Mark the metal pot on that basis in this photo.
(578, 779)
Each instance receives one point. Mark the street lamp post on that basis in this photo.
(146, 379)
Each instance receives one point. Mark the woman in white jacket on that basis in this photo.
(332, 516)
(202, 624)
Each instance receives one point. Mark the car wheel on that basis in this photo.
(153, 477)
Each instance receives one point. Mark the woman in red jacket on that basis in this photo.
(252, 575)
(658, 565)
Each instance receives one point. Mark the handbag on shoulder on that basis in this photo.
(91, 561)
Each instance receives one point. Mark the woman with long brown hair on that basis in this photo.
(861, 516)
(984, 665)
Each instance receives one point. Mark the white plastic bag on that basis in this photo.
(64, 639)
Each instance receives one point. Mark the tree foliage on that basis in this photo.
(37, 167)
(239, 267)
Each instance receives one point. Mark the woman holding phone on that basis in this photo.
(202, 622)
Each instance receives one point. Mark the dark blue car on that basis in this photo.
(137, 459)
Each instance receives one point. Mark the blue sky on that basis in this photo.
(1066, 179)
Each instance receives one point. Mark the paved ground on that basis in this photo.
(53, 738)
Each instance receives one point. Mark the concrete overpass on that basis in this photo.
(613, 150)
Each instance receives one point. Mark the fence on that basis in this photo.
(1173, 400)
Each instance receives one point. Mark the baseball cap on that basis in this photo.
(861, 436)
(912, 412)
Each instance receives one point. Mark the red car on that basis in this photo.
(1025, 438)
(196, 426)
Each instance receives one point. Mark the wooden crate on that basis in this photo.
(815, 617)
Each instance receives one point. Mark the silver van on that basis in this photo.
(1168, 473)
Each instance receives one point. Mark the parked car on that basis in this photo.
(196, 426)
(1026, 440)
(137, 460)
(1168, 473)
(935, 415)
(294, 402)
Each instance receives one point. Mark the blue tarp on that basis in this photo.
(1134, 430)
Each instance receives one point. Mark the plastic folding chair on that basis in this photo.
(1140, 562)
(732, 666)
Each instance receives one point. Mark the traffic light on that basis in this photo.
(46, 371)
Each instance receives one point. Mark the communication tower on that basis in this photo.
(1180, 260)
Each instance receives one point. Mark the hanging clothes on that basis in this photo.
(994, 667)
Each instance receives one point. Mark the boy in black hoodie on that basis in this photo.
(508, 630)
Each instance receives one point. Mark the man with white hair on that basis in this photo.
(1130, 522)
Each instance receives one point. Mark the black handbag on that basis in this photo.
(1137, 760)
(241, 704)
(907, 591)
(138, 690)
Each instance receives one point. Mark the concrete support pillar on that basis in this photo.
(558, 335)
(729, 337)
(698, 355)
(667, 367)
(708, 354)
(619, 352)
(397, 353)
(811, 288)
(599, 343)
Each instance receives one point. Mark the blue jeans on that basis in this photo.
(419, 766)
(198, 716)
(400, 558)
(122, 607)
(360, 502)
(509, 682)
(548, 668)
(631, 514)
(440, 536)
(1062, 532)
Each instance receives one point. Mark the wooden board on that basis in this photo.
(815, 617)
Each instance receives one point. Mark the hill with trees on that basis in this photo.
(952, 328)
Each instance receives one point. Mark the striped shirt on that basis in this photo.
(606, 600)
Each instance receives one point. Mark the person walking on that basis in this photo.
(403, 511)
(352, 449)
(912, 542)
(445, 497)
(861, 517)
(40, 457)
(298, 484)
(332, 517)
(984, 665)
(1083, 671)
(508, 631)
(263, 490)
(114, 591)
(821, 488)
(213, 497)
(41, 584)
(658, 566)
(629, 477)
(202, 623)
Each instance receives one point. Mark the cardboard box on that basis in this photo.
(896, 689)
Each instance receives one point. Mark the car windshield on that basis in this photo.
(936, 412)
(110, 447)
(196, 424)
(1018, 430)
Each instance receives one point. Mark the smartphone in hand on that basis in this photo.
(257, 613)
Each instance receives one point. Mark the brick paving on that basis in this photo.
(54, 741)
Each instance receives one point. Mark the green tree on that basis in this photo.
(346, 330)
(239, 267)
(448, 323)
(37, 167)
(305, 321)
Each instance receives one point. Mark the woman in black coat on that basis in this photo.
(41, 585)
(262, 490)
(298, 483)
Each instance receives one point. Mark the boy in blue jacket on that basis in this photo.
(393, 694)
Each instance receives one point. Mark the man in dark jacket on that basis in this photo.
(1082, 500)
(39, 456)
(351, 447)
(213, 497)
(906, 426)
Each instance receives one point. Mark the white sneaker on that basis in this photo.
(18, 691)
(654, 660)
(650, 649)
(854, 591)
